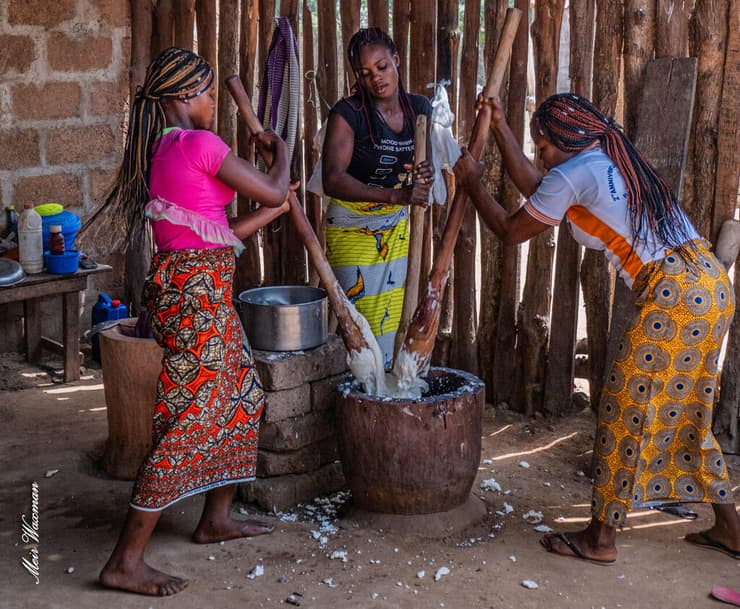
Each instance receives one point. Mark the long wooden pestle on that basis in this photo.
(351, 333)
(422, 333)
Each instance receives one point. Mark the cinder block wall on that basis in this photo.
(63, 95)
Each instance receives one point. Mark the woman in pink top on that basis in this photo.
(180, 176)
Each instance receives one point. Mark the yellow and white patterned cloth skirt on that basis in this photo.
(367, 245)
(654, 442)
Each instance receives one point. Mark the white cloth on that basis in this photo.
(445, 149)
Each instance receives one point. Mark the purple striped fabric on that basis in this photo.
(278, 58)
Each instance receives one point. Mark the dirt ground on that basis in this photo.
(53, 436)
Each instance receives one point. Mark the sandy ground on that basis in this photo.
(53, 435)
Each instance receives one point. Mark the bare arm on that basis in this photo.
(268, 188)
(247, 224)
(522, 171)
(335, 159)
(510, 228)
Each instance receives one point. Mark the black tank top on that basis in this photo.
(379, 163)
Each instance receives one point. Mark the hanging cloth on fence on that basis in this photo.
(280, 92)
(445, 149)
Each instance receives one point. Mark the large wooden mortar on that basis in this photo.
(131, 368)
(403, 456)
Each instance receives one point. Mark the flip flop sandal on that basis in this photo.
(678, 510)
(711, 544)
(726, 595)
(562, 538)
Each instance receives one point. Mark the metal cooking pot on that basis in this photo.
(284, 317)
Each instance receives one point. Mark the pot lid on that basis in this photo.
(11, 272)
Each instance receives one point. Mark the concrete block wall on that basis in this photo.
(63, 103)
(298, 457)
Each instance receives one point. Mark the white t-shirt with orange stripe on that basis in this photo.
(590, 192)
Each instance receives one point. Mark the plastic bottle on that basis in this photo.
(100, 313)
(105, 309)
(30, 240)
(118, 309)
(56, 240)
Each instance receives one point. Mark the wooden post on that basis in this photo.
(184, 24)
(266, 11)
(249, 265)
(596, 280)
(727, 416)
(311, 102)
(504, 364)
(141, 36)
(708, 40)
(165, 24)
(228, 49)
(377, 13)
(447, 17)
(534, 310)
(582, 25)
(271, 264)
(326, 69)
(564, 325)
(672, 28)
(137, 257)
(491, 248)
(349, 11)
(639, 48)
(464, 352)
(401, 27)
(421, 72)
(289, 9)
(248, 44)
(582, 16)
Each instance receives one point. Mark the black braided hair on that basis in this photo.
(367, 37)
(572, 124)
(175, 73)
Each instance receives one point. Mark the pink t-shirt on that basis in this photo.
(183, 172)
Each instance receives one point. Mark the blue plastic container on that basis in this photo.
(105, 309)
(70, 224)
(62, 264)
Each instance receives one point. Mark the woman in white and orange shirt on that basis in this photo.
(653, 441)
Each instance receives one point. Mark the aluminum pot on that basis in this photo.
(284, 317)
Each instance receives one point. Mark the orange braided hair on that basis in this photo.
(572, 124)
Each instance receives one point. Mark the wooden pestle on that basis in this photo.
(422, 332)
(351, 333)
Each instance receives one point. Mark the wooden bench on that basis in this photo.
(30, 291)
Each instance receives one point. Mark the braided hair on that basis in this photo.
(573, 124)
(363, 38)
(176, 74)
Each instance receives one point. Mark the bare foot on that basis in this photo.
(579, 545)
(212, 532)
(142, 579)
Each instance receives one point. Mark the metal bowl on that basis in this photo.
(11, 272)
(284, 317)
